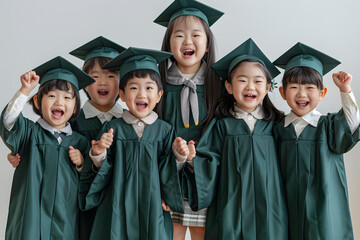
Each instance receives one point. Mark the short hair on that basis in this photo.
(89, 64)
(303, 75)
(141, 73)
(61, 85)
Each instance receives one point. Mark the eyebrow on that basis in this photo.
(181, 30)
(258, 76)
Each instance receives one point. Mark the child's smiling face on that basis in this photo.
(141, 96)
(248, 86)
(57, 107)
(302, 98)
(188, 43)
(104, 91)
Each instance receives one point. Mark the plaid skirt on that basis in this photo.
(189, 217)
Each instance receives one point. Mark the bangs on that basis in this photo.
(60, 85)
(303, 75)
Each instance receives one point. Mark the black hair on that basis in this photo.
(89, 64)
(212, 85)
(141, 73)
(302, 75)
(56, 84)
(225, 107)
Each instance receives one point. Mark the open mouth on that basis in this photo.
(141, 105)
(57, 113)
(249, 96)
(302, 104)
(188, 52)
(103, 92)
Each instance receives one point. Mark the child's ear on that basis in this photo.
(35, 99)
(122, 95)
(268, 86)
(323, 93)
(228, 87)
(282, 92)
(160, 93)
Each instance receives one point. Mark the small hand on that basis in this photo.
(192, 151)
(76, 157)
(343, 80)
(28, 81)
(165, 207)
(180, 146)
(104, 143)
(14, 160)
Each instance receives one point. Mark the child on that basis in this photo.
(191, 86)
(44, 202)
(235, 171)
(311, 146)
(138, 170)
(102, 94)
(101, 105)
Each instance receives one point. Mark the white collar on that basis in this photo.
(67, 129)
(258, 113)
(311, 118)
(90, 111)
(131, 119)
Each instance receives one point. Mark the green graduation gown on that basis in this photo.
(236, 175)
(312, 167)
(172, 112)
(44, 193)
(89, 127)
(138, 173)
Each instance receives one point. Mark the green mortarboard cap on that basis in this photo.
(301, 55)
(60, 68)
(247, 50)
(137, 58)
(98, 47)
(188, 7)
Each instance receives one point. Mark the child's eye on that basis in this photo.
(51, 96)
(95, 76)
(197, 35)
(149, 88)
(133, 88)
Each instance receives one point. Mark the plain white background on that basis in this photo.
(33, 32)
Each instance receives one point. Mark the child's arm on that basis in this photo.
(98, 148)
(28, 81)
(343, 81)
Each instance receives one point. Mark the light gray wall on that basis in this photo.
(33, 32)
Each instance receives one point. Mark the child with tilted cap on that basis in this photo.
(311, 146)
(102, 104)
(44, 193)
(137, 169)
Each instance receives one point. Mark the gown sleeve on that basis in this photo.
(169, 180)
(200, 186)
(340, 138)
(18, 137)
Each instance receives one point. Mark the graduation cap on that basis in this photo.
(188, 7)
(60, 68)
(137, 58)
(247, 50)
(98, 47)
(301, 55)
